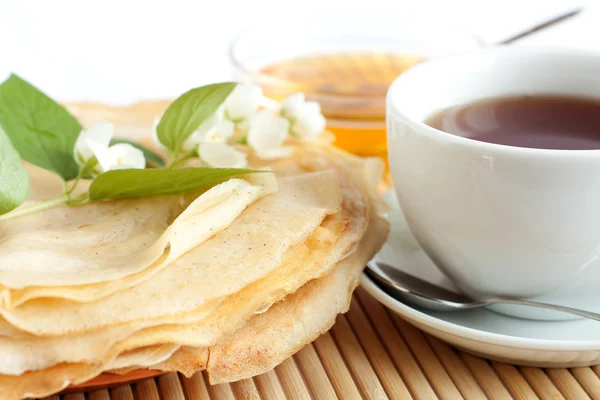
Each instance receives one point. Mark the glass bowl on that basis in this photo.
(345, 60)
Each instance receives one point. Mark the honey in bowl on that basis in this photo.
(351, 89)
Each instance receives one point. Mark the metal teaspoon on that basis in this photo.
(412, 290)
(541, 26)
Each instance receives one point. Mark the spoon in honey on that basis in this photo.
(541, 26)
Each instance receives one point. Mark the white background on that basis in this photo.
(122, 51)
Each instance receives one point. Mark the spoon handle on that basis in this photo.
(569, 310)
(541, 26)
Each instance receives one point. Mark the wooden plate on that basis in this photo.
(105, 381)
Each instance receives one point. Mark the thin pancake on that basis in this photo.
(331, 242)
(234, 269)
(144, 357)
(48, 254)
(270, 338)
(54, 379)
(260, 237)
(227, 361)
(187, 360)
(46, 382)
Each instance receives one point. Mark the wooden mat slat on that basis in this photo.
(371, 353)
(431, 365)
(220, 392)
(103, 394)
(245, 389)
(336, 369)
(145, 389)
(357, 361)
(269, 386)
(397, 348)
(291, 380)
(567, 384)
(121, 393)
(486, 377)
(456, 368)
(541, 383)
(314, 373)
(588, 380)
(194, 387)
(169, 387)
(378, 357)
(514, 381)
(74, 396)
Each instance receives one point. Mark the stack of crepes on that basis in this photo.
(233, 280)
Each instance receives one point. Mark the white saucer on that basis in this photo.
(562, 344)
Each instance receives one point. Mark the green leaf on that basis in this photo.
(152, 159)
(124, 183)
(14, 181)
(188, 111)
(41, 130)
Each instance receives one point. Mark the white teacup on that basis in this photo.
(498, 220)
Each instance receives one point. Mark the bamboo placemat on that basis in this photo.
(371, 353)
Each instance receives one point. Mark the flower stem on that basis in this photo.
(79, 200)
(45, 205)
(181, 160)
(66, 198)
(83, 169)
(76, 181)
